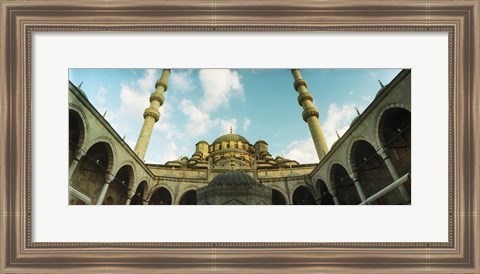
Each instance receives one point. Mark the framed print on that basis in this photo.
(59, 58)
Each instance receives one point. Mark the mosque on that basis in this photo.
(368, 165)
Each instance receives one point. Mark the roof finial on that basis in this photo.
(337, 134)
(381, 84)
(358, 112)
(230, 130)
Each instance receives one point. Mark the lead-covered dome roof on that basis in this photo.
(231, 137)
(233, 178)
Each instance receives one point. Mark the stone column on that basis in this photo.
(354, 177)
(73, 166)
(394, 173)
(151, 114)
(333, 192)
(310, 114)
(130, 194)
(108, 179)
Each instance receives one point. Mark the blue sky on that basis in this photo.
(202, 104)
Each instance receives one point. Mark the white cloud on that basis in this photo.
(180, 81)
(147, 83)
(132, 103)
(198, 121)
(101, 95)
(367, 98)
(225, 125)
(134, 99)
(338, 119)
(219, 85)
(246, 123)
(303, 151)
(169, 152)
(168, 130)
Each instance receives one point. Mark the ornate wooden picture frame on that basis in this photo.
(20, 19)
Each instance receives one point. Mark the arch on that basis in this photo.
(394, 134)
(76, 133)
(350, 149)
(189, 197)
(345, 190)
(325, 197)
(278, 198)
(92, 170)
(107, 141)
(372, 172)
(120, 185)
(140, 194)
(161, 196)
(302, 196)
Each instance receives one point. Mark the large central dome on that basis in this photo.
(231, 137)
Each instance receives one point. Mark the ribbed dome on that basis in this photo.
(231, 137)
(233, 177)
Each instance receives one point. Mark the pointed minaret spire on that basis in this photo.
(381, 84)
(151, 114)
(310, 114)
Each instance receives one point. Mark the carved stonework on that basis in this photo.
(153, 113)
(298, 83)
(157, 96)
(163, 83)
(309, 113)
(303, 97)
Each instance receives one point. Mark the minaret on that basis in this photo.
(151, 114)
(310, 114)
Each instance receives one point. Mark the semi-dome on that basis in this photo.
(233, 178)
(230, 137)
(234, 188)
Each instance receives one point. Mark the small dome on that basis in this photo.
(354, 120)
(231, 137)
(233, 177)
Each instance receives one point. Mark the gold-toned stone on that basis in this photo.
(152, 114)
(310, 114)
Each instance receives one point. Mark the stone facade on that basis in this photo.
(372, 156)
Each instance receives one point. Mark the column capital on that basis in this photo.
(109, 178)
(79, 154)
(354, 176)
(383, 152)
(333, 192)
